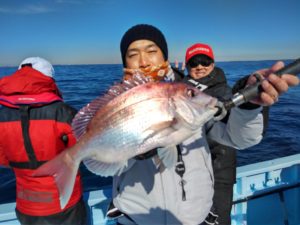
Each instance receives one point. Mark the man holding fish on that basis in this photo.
(151, 136)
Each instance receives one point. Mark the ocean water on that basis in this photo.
(80, 84)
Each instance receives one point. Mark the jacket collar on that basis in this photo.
(28, 86)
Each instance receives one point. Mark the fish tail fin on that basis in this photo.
(64, 169)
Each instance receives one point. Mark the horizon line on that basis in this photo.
(221, 61)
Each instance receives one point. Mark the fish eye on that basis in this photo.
(191, 92)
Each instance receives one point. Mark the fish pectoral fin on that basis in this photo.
(104, 169)
(150, 141)
(160, 134)
(168, 156)
(161, 126)
(159, 130)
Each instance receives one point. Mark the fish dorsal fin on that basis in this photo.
(84, 116)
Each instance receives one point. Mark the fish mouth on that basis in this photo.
(221, 111)
(215, 104)
(212, 104)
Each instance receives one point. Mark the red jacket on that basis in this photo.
(34, 127)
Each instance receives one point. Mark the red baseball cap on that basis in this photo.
(198, 49)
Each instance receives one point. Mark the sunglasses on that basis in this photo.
(193, 64)
(201, 59)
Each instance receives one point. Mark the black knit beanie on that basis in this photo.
(140, 32)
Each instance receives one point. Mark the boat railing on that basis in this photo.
(268, 193)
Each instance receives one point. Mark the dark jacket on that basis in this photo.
(224, 157)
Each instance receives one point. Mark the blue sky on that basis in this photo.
(89, 31)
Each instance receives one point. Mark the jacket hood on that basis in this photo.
(27, 81)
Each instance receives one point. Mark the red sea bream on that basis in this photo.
(132, 118)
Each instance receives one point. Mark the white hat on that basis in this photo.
(40, 64)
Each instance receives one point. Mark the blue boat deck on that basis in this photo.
(266, 193)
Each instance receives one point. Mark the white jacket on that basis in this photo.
(149, 193)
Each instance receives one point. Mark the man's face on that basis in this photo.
(200, 71)
(142, 54)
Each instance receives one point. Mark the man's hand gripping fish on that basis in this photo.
(132, 118)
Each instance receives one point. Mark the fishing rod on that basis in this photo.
(252, 91)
